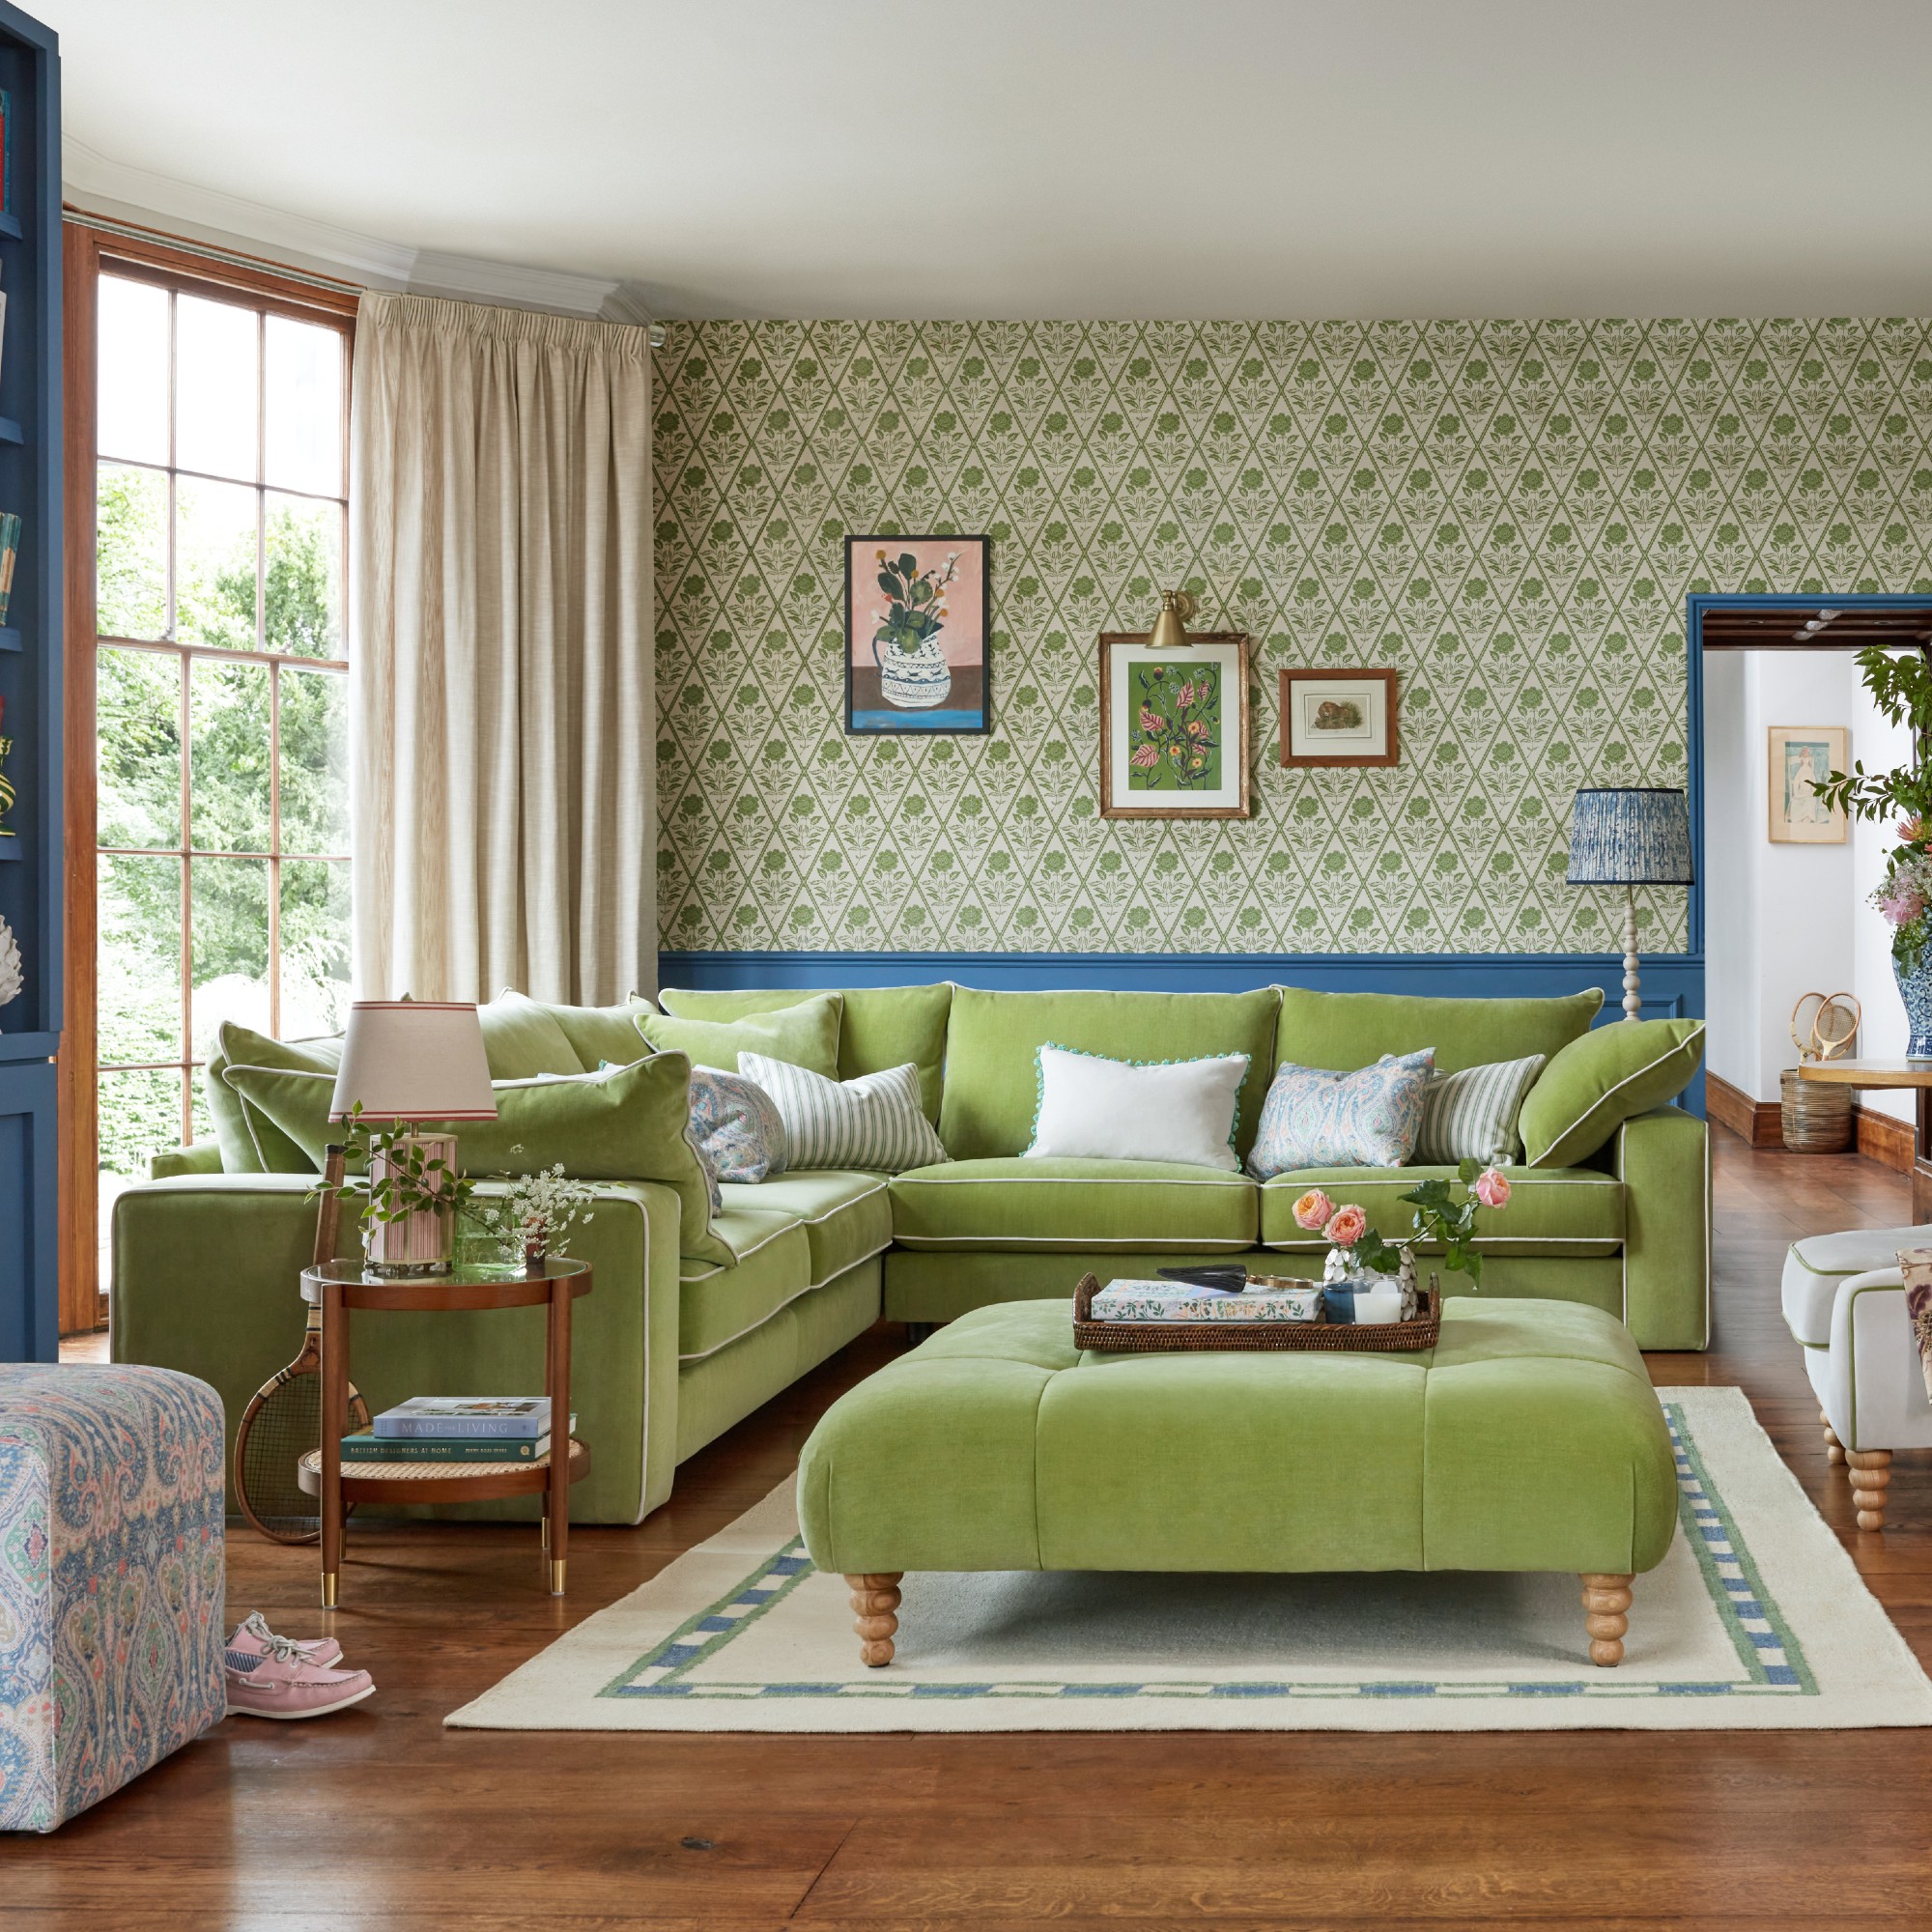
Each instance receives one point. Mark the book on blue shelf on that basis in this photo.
(448, 1415)
(369, 1447)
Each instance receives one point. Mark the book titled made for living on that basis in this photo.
(449, 1416)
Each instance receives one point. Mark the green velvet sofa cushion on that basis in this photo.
(628, 1124)
(1529, 1438)
(251, 1142)
(1345, 1031)
(1595, 1084)
(522, 1039)
(1565, 1210)
(597, 1034)
(719, 1304)
(883, 1026)
(805, 1034)
(1073, 1203)
(992, 1043)
(846, 1216)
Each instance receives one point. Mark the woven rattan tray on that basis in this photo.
(1148, 1338)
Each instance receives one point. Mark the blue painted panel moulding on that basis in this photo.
(1673, 983)
(29, 1212)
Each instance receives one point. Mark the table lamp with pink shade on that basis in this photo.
(405, 1061)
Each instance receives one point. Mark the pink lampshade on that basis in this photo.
(413, 1059)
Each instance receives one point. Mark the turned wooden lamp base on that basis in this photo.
(875, 1602)
(1607, 1600)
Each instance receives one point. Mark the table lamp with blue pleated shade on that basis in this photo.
(1630, 836)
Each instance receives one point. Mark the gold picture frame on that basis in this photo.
(1171, 745)
(1797, 755)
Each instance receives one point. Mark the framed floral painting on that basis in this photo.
(916, 634)
(1174, 727)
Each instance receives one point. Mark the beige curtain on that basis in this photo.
(502, 717)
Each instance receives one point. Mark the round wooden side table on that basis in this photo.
(342, 1286)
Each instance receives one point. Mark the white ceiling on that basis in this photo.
(1040, 157)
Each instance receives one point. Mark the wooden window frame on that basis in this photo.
(89, 252)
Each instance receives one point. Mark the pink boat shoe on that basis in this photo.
(281, 1687)
(253, 1635)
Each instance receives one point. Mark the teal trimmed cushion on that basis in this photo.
(1597, 1082)
(805, 1035)
(1472, 1115)
(1018, 1203)
(882, 1027)
(873, 1121)
(1095, 1108)
(1552, 1212)
(1316, 1116)
(1351, 1030)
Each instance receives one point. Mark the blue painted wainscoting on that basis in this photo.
(1673, 983)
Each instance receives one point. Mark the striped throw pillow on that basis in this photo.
(875, 1120)
(1471, 1115)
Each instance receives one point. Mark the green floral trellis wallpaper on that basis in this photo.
(1509, 513)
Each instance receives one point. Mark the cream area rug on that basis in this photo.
(1756, 1619)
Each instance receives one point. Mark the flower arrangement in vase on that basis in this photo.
(532, 1214)
(913, 671)
(414, 1194)
(1355, 1251)
(1901, 687)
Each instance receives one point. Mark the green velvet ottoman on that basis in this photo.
(1528, 1438)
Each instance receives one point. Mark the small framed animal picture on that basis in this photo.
(1174, 727)
(1338, 718)
(1802, 755)
(916, 634)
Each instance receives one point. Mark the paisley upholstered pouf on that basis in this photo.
(111, 1552)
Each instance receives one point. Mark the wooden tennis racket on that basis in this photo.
(283, 1421)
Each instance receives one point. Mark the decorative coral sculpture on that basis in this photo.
(9, 964)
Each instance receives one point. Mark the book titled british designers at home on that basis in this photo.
(448, 1415)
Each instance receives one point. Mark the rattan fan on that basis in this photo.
(283, 1421)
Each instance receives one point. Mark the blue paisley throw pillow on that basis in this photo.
(1314, 1118)
(737, 1128)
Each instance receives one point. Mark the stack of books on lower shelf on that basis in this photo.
(456, 1429)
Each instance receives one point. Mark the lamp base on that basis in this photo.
(1633, 999)
(423, 1242)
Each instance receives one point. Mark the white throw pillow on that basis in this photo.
(1092, 1108)
(875, 1120)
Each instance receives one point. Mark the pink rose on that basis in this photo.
(1348, 1225)
(1313, 1209)
(1492, 1188)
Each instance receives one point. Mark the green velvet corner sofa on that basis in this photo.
(691, 1327)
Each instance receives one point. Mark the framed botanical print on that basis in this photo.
(1174, 727)
(1338, 718)
(1801, 754)
(916, 634)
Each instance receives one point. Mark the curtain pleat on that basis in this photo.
(502, 737)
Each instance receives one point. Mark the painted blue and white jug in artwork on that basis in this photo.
(914, 679)
(1915, 988)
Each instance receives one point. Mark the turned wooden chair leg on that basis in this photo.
(1871, 1477)
(875, 1599)
(1835, 1450)
(1606, 1598)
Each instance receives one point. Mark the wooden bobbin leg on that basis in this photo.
(875, 1598)
(1871, 1477)
(1606, 1600)
(1835, 1450)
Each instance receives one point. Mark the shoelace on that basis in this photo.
(283, 1649)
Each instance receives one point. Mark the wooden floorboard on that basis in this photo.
(382, 1819)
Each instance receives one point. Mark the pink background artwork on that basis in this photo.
(961, 639)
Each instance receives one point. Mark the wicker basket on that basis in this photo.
(1150, 1338)
(1817, 1114)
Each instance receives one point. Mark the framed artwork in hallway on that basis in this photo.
(918, 635)
(1801, 754)
(1174, 727)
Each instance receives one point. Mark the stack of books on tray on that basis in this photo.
(456, 1429)
(1191, 1302)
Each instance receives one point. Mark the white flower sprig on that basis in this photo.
(536, 1209)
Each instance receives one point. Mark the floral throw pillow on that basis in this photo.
(1316, 1117)
(738, 1131)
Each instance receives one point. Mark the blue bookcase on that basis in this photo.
(31, 897)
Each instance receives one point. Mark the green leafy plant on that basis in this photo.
(913, 611)
(411, 1176)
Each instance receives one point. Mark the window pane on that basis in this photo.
(130, 571)
(134, 359)
(201, 1124)
(215, 390)
(231, 946)
(315, 947)
(139, 954)
(137, 767)
(140, 1116)
(301, 595)
(215, 564)
(303, 406)
(315, 762)
(228, 754)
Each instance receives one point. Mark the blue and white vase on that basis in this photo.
(913, 680)
(1915, 988)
